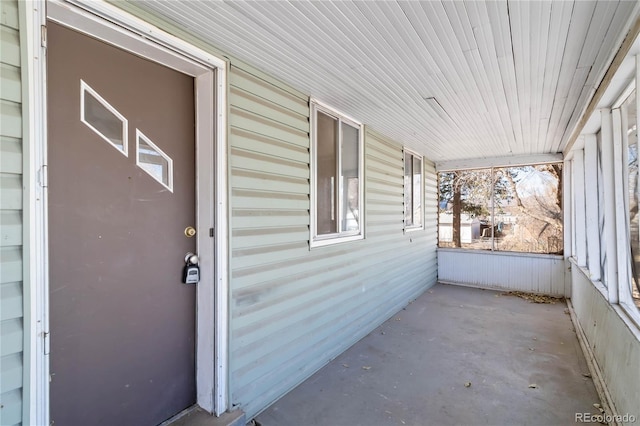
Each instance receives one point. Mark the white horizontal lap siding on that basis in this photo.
(294, 309)
(11, 289)
(542, 274)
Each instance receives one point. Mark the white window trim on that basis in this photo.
(84, 88)
(616, 234)
(340, 237)
(420, 227)
(115, 26)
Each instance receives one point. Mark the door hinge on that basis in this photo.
(43, 35)
(211, 232)
(46, 346)
(43, 178)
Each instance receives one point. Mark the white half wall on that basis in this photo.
(533, 273)
(613, 340)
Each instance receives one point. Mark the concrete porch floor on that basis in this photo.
(412, 369)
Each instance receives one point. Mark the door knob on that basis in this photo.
(191, 258)
(189, 231)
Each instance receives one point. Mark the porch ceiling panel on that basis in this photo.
(453, 80)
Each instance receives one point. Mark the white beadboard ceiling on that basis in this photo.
(450, 79)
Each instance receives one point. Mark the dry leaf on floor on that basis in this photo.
(366, 367)
(468, 384)
(533, 386)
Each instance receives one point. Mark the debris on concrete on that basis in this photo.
(588, 375)
(345, 365)
(533, 386)
(535, 298)
(467, 385)
(366, 367)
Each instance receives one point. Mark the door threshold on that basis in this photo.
(197, 416)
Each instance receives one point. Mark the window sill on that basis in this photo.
(500, 253)
(413, 229)
(334, 240)
(632, 315)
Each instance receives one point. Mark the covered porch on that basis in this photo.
(339, 281)
(456, 355)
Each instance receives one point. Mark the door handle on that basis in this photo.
(190, 231)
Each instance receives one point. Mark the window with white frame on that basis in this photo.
(629, 133)
(412, 190)
(515, 208)
(336, 177)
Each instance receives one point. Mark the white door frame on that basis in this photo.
(114, 26)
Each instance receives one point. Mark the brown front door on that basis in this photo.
(121, 194)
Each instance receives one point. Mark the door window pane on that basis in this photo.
(102, 118)
(154, 161)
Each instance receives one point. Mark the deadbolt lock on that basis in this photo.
(190, 231)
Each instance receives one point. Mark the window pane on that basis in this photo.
(629, 109)
(326, 203)
(528, 209)
(464, 210)
(103, 119)
(417, 189)
(408, 190)
(601, 216)
(350, 219)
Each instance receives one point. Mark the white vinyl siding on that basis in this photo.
(11, 231)
(294, 309)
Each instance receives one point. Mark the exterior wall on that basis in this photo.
(613, 339)
(11, 231)
(293, 308)
(543, 274)
(601, 239)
